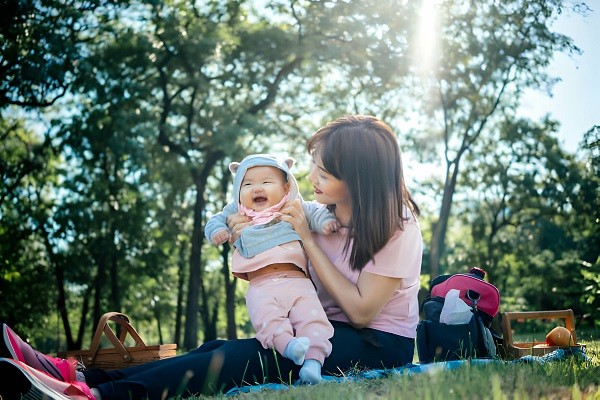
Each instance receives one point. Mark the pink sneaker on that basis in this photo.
(59, 368)
(21, 381)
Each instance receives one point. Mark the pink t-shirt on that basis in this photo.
(399, 258)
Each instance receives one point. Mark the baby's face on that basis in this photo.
(263, 187)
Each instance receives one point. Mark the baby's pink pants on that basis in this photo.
(282, 307)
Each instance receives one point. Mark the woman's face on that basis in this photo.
(327, 188)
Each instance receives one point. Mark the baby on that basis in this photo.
(282, 302)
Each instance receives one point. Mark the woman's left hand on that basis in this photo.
(235, 223)
(293, 213)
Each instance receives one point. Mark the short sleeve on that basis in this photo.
(401, 256)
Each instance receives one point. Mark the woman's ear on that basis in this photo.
(233, 167)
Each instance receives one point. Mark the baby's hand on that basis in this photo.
(220, 237)
(330, 227)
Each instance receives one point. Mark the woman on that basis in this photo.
(366, 275)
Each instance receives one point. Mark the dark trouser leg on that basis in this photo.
(221, 365)
(366, 348)
(215, 368)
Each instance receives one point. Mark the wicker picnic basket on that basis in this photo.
(119, 355)
(511, 349)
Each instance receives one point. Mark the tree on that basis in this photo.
(585, 227)
(491, 51)
(161, 96)
(224, 78)
(209, 82)
(519, 176)
(42, 44)
(26, 170)
(530, 221)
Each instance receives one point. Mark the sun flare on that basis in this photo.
(426, 48)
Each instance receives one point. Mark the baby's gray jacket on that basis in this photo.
(258, 238)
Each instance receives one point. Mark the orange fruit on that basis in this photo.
(559, 336)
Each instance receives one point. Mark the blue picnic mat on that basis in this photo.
(556, 355)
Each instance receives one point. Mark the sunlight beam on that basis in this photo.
(427, 43)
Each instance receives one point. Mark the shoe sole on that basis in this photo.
(5, 346)
(19, 383)
(15, 349)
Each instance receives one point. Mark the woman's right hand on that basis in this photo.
(235, 223)
(293, 213)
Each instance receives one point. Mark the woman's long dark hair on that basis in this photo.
(363, 152)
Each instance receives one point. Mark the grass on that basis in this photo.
(565, 379)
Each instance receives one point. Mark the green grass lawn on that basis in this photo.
(565, 379)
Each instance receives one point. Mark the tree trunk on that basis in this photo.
(99, 284)
(61, 300)
(158, 324)
(230, 284)
(195, 286)
(115, 292)
(190, 340)
(438, 236)
(85, 308)
(208, 321)
(180, 293)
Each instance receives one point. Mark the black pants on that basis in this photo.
(220, 365)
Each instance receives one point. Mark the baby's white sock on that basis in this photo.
(311, 372)
(96, 393)
(296, 349)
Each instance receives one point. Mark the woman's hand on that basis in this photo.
(293, 213)
(235, 223)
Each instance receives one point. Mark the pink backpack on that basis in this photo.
(479, 294)
(438, 341)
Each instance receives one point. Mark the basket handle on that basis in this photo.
(567, 315)
(118, 343)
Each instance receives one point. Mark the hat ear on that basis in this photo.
(289, 162)
(233, 167)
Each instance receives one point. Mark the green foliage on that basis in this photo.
(41, 44)
(524, 222)
(489, 51)
(120, 118)
(28, 177)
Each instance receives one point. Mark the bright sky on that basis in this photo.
(576, 99)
